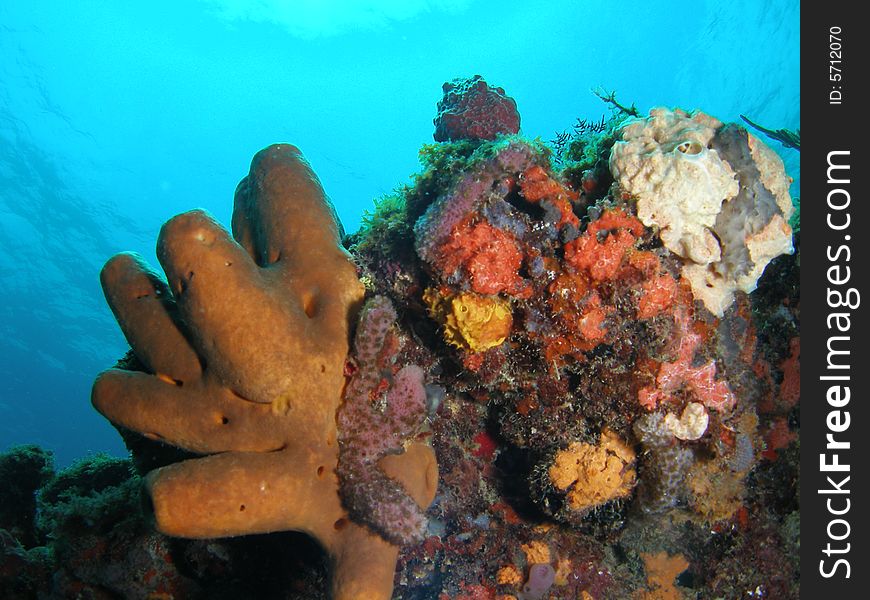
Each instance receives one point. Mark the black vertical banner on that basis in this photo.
(835, 299)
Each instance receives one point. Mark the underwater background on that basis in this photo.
(116, 116)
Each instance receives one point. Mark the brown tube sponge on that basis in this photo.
(244, 349)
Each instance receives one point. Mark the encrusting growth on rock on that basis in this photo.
(591, 475)
(244, 352)
(384, 408)
(470, 320)
(662, 569)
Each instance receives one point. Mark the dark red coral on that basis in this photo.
(471, 109)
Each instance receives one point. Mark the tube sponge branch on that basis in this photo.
(244, 348)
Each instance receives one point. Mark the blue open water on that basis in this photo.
(114, 116)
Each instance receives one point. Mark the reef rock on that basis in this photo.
(471, 109)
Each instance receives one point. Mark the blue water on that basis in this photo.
(114, 116)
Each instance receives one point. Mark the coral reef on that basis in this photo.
(607, 339)
(606, 426)
(102, 539)
(25, 562)
(23, 470)
(98, 542)
(471, 109)
(245, 351)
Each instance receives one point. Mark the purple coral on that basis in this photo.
(384, 406)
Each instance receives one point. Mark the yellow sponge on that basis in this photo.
(471, 321)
